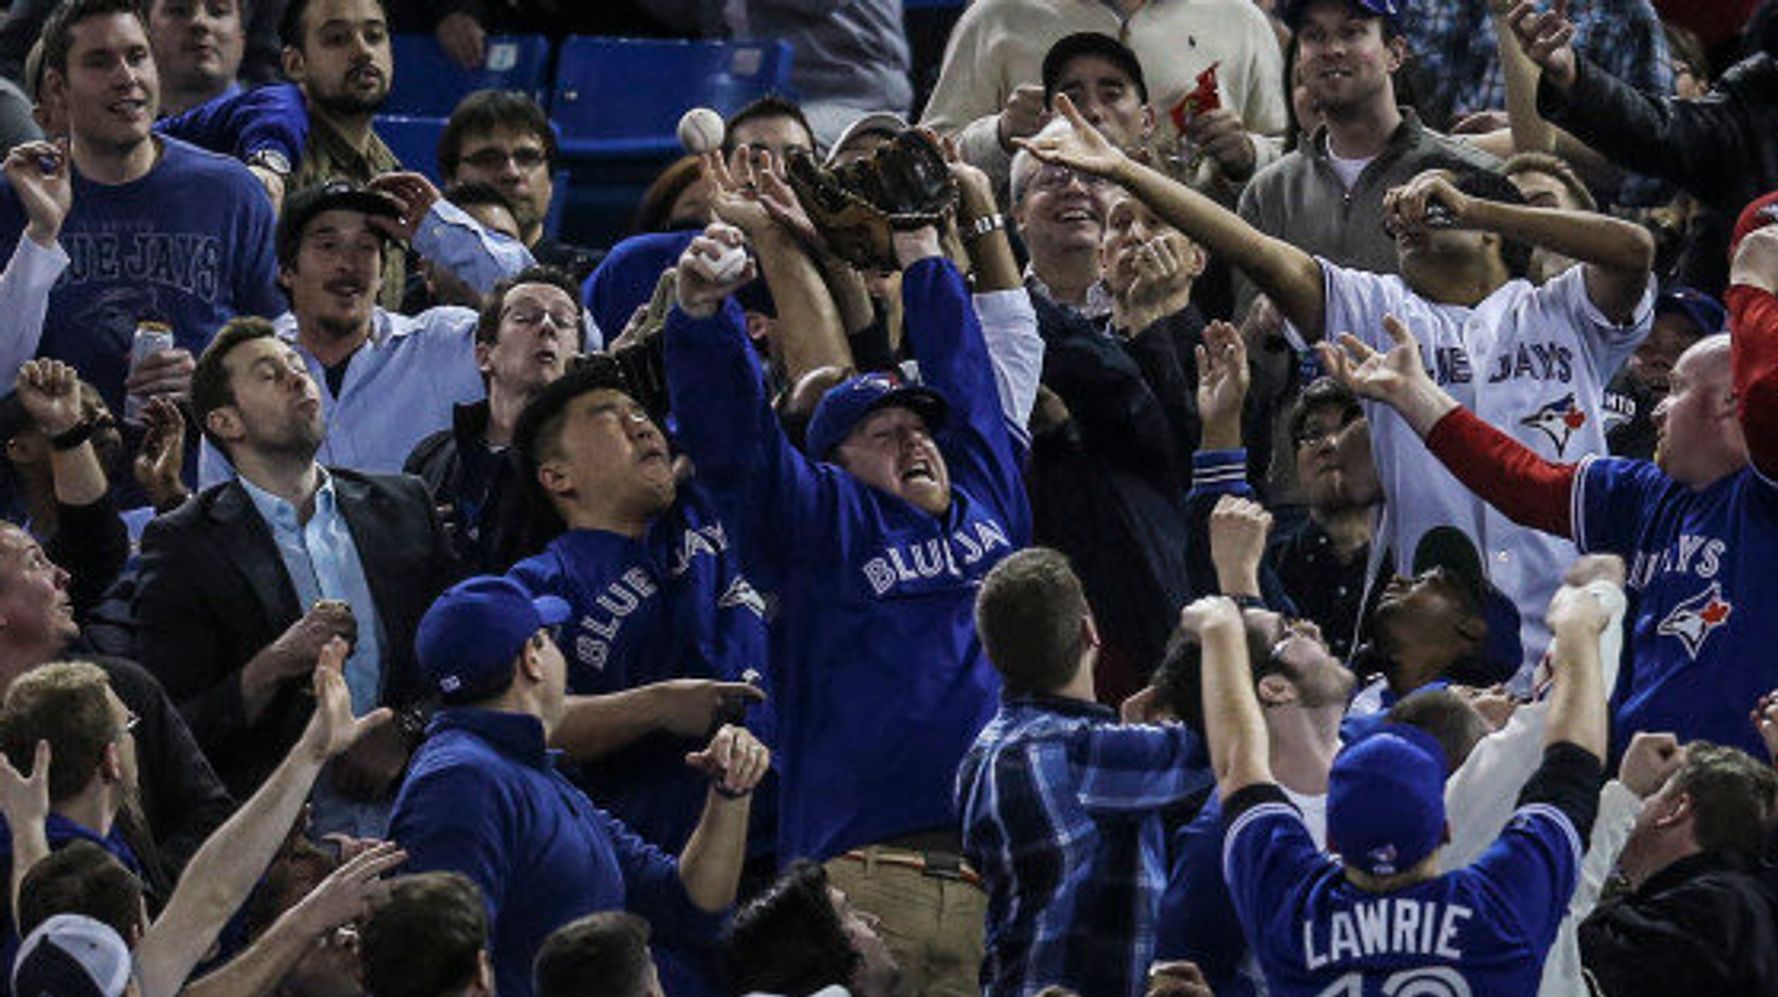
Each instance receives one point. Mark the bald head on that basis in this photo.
(1700, 440)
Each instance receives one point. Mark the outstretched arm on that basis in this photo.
(1504, 472)
(1753, 311)
(710, 865)
(1288, 275)
(1577, 703)
(1240, 750)
(222, 873)
(1617, 254)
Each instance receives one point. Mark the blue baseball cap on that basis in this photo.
(1704, 311)
(1388, 10)
(1386, 800)
(473, 633)
(847, 403)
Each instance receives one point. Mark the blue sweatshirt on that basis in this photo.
(240, 123)
(482, 797)
(672, 604)
(188, 243)
(880, 682)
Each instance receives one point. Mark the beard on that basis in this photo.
(351, 105)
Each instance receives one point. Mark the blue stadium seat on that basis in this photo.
(414, 140)
(429, 84)
(620, 97)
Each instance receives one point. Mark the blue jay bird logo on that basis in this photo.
(1557, 420)
(1693, 620)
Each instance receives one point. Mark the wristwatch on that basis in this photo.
(270, 159)
(982, 226)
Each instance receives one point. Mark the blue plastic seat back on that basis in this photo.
(414, 140)
(623, 97)
(429, 84)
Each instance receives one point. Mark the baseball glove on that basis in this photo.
(904, 186)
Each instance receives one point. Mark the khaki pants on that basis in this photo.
(932, 925)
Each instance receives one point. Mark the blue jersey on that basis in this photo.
(1481, 930)
(880, 681)
(670, 604)
(188, 243)
(1704, 644)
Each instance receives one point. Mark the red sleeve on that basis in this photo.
(1507, 475)
(1753, 324)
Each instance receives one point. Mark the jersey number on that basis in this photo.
(1440, 981)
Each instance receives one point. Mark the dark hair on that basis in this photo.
(1732, 797)
(1555, 166)
(655, 211)
(1179, 680)
(290, 25)
(298, 868)
(58, 30)
(604, 953)
(540, 424)
(1491, 186)
(487, 325)
(1448, 717)
(486, 111)
(425, 937)
(770, 106)
(1094, 43)
(81, 878)
(1028, 614)
(789, 940)
(64, 703)
(1323, 392)
(210, 388)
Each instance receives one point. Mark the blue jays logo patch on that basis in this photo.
(1558, 420)
(1693, 620)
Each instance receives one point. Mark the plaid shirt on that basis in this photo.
(1454, 41)
(1061, 814)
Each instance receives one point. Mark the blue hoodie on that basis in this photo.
(880, 682)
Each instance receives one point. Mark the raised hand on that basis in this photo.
(1547, 39)
(701, 285)
(413, 194)
(162, 459)
(167, 372)
(1083, 148)
(1577, 611)
(345, 895)
(735, 761)
(689, 707)
(1222, 136)
(1385, 377)
(1765, 717)
(303, 642)
(463, 38)
(1208, 613)
(49, 390)
(39, 173)
(734, 189)
(1023, 115)
(1648, 761)
(1408, 205)
(24, 799)
(332, 729)
(1238, 529)
(1223, 375)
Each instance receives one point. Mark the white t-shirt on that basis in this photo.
(1347, 169)
(1531, 361)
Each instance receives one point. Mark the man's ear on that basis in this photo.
(111, 763)
(1398, 52)
(484, 356)
(54, 85)
(1089, 632)
(1679, 811)
(554, 478)
(296, 68)
(224, 423)
(1148, 120)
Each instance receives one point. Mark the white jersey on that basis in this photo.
(1531, 361)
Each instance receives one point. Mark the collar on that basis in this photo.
(518, 736)
(324, 138)
(280, 513)
(1046, 703)
(469, 422)
(1097, 305)
(1691, 867)
(1405, 134)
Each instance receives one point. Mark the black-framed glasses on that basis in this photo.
(1314, 436)
(525, 157)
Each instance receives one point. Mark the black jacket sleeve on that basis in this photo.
(1722, 148)
(91, 544)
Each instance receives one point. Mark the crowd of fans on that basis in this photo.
(1297, 526)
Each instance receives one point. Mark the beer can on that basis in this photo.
(151, 338)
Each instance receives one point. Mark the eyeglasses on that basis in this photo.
(531, 317)
(129, 724)
(1054, 178)
(525, 157)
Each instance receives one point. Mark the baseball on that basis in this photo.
(729, 265)
(700, 130)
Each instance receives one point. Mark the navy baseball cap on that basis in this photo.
(847, 403)
(470, 637)
(1096, 43)
(1386, 800)
(1388, 10)
(72, 955)
(1704, 311)
(302, 207)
